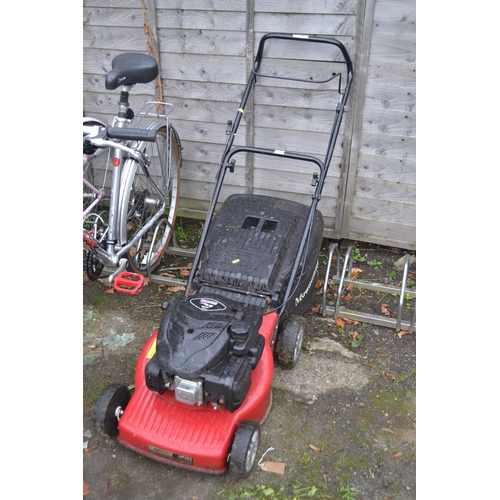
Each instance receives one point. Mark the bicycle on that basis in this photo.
(131, 179)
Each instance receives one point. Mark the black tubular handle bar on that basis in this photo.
(229, 151)
(134, 134)
(308, 38)
(340, 106)
(92, 132)
(279, 154)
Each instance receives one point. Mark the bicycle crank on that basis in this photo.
(93, 266)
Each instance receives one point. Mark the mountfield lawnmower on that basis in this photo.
(203, 380)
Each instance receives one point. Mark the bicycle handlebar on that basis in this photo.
(93, 132)
(135, 134)
(101, 137)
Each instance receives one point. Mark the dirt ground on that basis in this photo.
(343, 420)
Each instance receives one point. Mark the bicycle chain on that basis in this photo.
(93, 266)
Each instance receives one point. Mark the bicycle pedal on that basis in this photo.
(128, 283)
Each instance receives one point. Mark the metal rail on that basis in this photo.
(343, 279)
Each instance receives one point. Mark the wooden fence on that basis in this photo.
(205, 51)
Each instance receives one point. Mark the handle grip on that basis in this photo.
(134, 134)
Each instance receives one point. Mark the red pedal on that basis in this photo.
(129, 283)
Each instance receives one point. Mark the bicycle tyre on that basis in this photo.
(138, 194)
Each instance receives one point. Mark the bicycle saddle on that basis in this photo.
(131, 68)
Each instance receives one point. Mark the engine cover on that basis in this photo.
(206, 341)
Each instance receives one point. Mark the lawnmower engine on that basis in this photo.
(208, 343)
(206, 348)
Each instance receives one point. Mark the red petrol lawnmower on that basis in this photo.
(203, 382)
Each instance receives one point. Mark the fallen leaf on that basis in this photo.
(174, 289)
(396, 455)
(349, 296)
(355, 271)
(146, 281)
(351, 321)
(319, 283)
(355, 335)
(110, 290)
(184, 272)
(316, 309)
(106, 484)
(168, 275)
(315, 448)
(340, 322)
(86, 489)
(385, 310)
(401, 333)
(350, 287)
(275, 467)
(91, 448)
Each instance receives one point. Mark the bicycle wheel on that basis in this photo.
(95, 215)
(142, 197)
(88, 195)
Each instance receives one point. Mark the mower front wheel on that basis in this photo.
(289, 342)
(244, 449)
(109, 408)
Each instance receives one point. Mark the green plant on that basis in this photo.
(347, 493)
(356, 340)
(375, 264)
(181, 232)
(409, 301)
(356, 256)
(263, 492)
(187, 232)
(305, 492)
(391, 274)
(300, 491)
(258, 492)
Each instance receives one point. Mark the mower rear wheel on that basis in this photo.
(244, 449)
(109, 408)
(289, 342)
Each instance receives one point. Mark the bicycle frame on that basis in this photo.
(126, 159)
(99, 196)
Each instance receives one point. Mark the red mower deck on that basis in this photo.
(185, 436)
